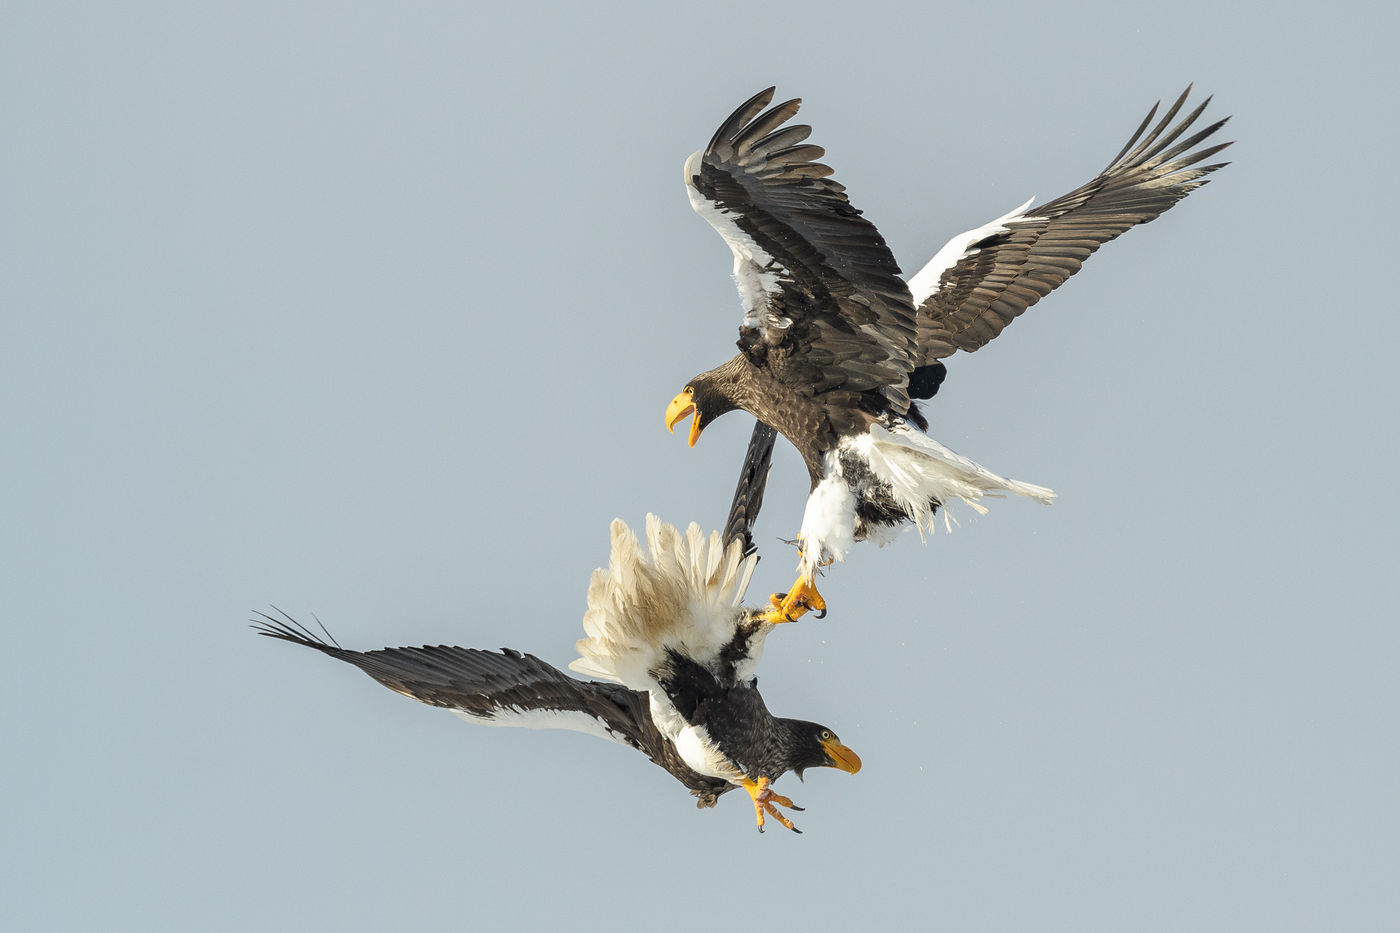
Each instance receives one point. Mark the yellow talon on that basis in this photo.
(765, 801)
(792, 605)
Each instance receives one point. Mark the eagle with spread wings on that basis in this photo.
(836, 348)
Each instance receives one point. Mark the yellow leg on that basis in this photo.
(790, 606)
(765, 801)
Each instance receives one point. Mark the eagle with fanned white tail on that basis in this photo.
(835, 348)
(665, 623)
(667, 618)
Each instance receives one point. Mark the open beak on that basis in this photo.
(841, 756)
(682, 405)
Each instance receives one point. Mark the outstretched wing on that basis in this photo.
(508, 688)
(984, 278)
(824, 304)
(753, 480)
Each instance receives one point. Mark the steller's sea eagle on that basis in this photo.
(835, 346)
(665, 621)
(665, 617)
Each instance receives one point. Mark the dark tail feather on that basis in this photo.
(753, 480)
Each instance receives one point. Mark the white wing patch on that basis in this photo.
(703, 755)
(573, 720)
(756, 273)
(926, 281)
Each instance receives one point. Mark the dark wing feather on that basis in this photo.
(984, 279)
(505, 688)
(825, 307)
(753, 480)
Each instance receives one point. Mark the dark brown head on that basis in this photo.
(812, 745)
(707, 397)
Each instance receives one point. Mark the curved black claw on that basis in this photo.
(820, 613)
(787, 617)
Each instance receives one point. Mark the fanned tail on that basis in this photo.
(680, 592)
(922, 471)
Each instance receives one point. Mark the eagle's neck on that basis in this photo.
(798, 416)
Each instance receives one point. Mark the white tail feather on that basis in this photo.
(680, 593)
(919, 468)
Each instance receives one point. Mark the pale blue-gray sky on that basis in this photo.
(373, 314)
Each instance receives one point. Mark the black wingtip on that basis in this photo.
(741, 116)
(323, 628)
(288, 629)
(1149, 142)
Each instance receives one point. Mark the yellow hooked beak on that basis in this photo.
(841, 756)
(682, 405)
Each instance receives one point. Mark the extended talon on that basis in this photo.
(792, 605)
(773, 812)
(766, 801)
(775, 614)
